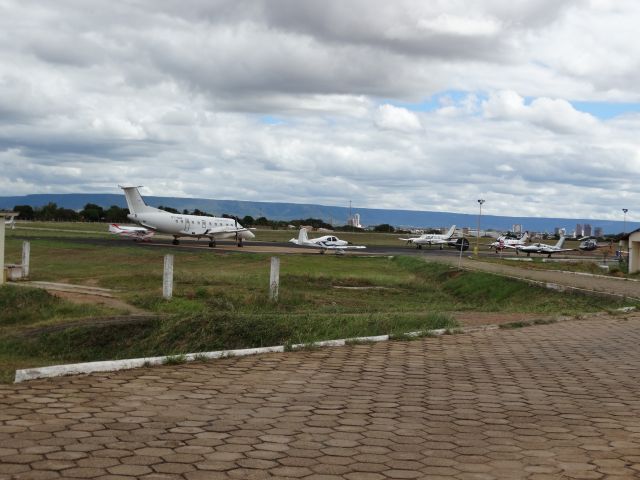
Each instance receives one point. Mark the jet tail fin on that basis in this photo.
(560, 243)
(302, 236)
(135, 202)
(451, 231)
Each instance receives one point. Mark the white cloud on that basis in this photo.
(553, 114)
(396, 118)
(283, 100)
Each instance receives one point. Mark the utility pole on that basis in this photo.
(480, 202)
(624, 211)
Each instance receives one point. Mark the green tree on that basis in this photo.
(48, 212)
(26, 212)
(384, 227)
(168, 209)
(92, 212)
(115, 214)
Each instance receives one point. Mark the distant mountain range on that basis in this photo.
(330, 214)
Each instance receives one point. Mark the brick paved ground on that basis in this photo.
(547, 402)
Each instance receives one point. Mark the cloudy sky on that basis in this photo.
(533, 105)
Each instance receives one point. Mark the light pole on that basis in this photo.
(480, 202)
(624, 211)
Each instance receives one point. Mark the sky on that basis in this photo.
(531, 105)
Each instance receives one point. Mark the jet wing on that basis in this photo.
(343, 247)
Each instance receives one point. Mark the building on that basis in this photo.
(354, 221)
(516, 228)
(631, 243)
(560, 231)
(598, 232)
(586, 230)
(579, 230)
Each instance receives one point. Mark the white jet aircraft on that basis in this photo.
(137, 233)
(543, 248)
(179, 225)
(439, 239)
(327, 242)
(505, 241)
(11, 221)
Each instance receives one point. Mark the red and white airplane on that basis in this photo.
(505, 241)
(137, 233)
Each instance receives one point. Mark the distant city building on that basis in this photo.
(516, 228)
(579, 231)
(586, 230)
(559, 231)
(598, 232)
(354, 221)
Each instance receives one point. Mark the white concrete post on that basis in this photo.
(26, 254)
(1, 249)
(167, 277)
(274, 279)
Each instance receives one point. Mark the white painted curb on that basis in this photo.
(114, 365)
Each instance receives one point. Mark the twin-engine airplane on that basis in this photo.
(137, 233)
(327, 242)
(544, 249)
(506, 241)
(439, 239)
(178, 225)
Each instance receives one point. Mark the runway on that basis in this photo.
(286, 248)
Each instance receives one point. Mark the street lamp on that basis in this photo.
(480, 202)
(625, 210)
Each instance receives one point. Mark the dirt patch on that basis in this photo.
(100, 300)
(92, 322)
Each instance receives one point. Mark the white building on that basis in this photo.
(354, 221)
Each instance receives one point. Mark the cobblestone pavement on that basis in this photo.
(547, 402)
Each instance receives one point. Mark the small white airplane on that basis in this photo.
(505, 241)
(439, 239)
(179, 225)
(327, 242)
(137, 233)
(543, 248)
(11, 221)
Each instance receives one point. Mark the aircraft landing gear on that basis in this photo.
(240, 244)
(176, 241)
(419, 247)
(212, 243)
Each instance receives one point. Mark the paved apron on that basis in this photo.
(546, 402)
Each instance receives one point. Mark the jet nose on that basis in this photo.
(247, 235)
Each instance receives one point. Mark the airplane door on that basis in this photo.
(187, 225)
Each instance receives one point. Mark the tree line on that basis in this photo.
(114, 214)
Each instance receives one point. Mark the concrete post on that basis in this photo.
(274, 279)
(1, 249)
(167, 277)
(26, 254)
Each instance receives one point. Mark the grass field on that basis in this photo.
(220, 300)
